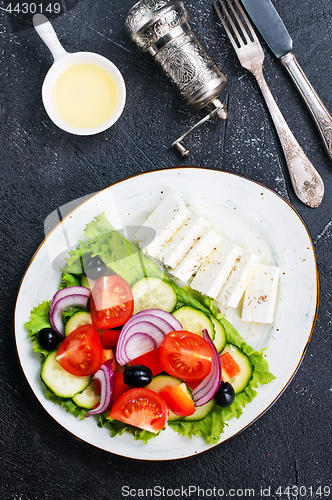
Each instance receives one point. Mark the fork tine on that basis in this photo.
(240, 24)
(245, 17)
(230, 36)
(238, 20)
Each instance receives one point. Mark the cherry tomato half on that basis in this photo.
(111, 302)
(141, 408)
(81, 353)
(186, 356)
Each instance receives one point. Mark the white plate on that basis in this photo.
(245, 212)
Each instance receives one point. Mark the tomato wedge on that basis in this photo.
(186, 356)
(81, 353)
(141, 408)
(111, 302)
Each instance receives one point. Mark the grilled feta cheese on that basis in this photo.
(261, 294)
(196, 255)
(214, 271)
(161, 225)
(238, 280)
(183, 240)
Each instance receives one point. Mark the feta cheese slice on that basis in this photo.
(214, 271)
(196, 255)
(261, 294)
(184, 239)
(160, 226)
(238, 280)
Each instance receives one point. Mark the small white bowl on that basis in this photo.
(64, 60)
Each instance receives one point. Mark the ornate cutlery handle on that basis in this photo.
(319, 113)
(306, 181)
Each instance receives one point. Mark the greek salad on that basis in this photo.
(123, 343)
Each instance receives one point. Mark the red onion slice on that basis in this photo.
(159, 313)
(105, 375)
(65, 292)
(133, 328)
(61, 305)
(138, 344)
(207, 389)
(160, 323)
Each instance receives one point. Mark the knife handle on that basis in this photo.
(318, 111)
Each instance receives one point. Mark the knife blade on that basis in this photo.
(269, 24)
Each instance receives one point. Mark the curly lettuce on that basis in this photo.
(38, 320)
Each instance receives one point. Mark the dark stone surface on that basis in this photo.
(43, 168)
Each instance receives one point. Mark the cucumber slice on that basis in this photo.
(62, 383)
(88, 398)
(153, 293)
(161, 381)
(240, 381)
(158, 383)
(78, 319)
(220, 338)
(201, 412)
(194, 321)
(171, 416)
(85, 281)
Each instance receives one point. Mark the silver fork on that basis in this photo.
(306, 181)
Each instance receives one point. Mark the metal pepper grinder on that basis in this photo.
(162, 28)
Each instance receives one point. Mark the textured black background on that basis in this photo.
(43, 168)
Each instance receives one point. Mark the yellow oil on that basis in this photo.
(85, 95)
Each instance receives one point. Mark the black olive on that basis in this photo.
(48, 338)
(137, 376)
(94, 268)
(225, 395)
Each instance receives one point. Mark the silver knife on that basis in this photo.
(272, 29)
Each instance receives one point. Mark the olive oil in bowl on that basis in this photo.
(85, 95)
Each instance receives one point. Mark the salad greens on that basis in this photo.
(126, 260)
(38, 320)
(68, 280)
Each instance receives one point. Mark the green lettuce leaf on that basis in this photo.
(38, 320)
(74, 263)
(69, 280)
